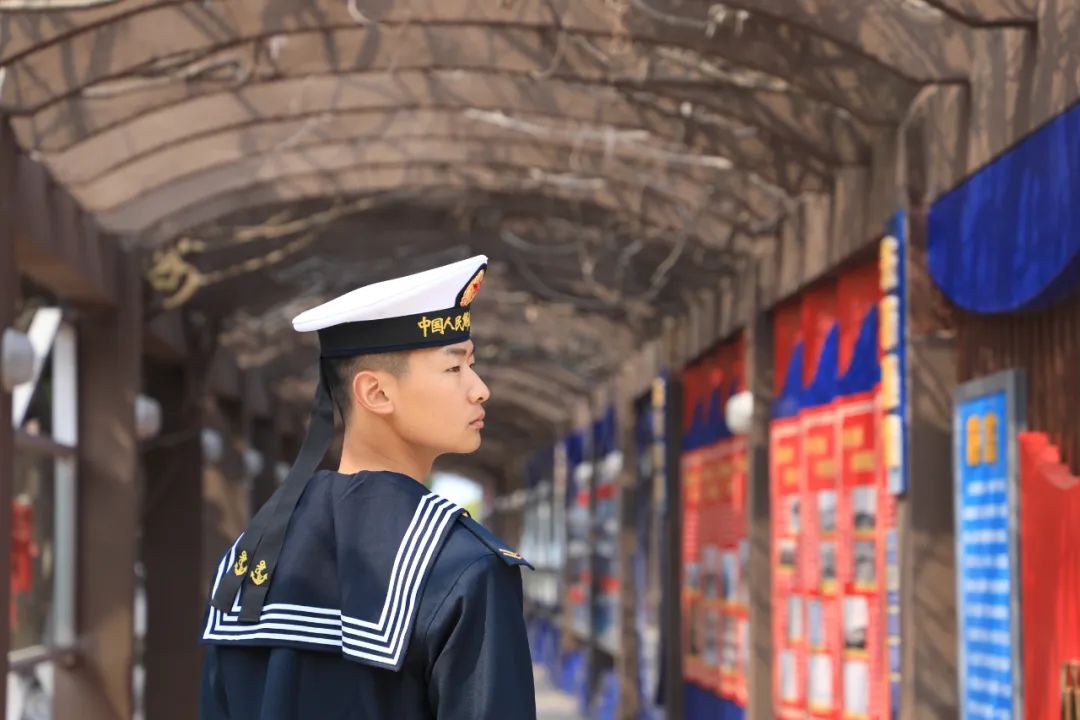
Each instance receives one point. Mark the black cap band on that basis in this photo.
(442, 327)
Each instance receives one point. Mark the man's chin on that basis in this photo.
(465, 447)
(472, 444)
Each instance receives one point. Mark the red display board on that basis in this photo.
(715, 544)
(830, 507)
(789, 633)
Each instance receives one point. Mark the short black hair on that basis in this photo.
(343, 370)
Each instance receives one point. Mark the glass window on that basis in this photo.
(43, 511)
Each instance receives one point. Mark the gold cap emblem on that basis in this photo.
(472, 288)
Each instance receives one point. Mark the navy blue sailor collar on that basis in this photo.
(357, 555)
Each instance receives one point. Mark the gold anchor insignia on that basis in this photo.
(510, 554)
(259, 574)
(241, 566)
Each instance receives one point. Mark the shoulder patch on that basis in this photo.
(497, 546)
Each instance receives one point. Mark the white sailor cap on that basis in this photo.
(426, 309)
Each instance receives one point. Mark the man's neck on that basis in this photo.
(375, 450)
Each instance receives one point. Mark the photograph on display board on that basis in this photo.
(827, 551)
(710, 567)
(795, 619)
(744, 646)
(856, 622)
(865, 559)
(711, 653)
(742, 591)
(695, 624)
(815, 623)
(730, 659)
(789, 555)
(789, 681)
(819, 682)
(730, 581)
(864, 508)
(792, 504)
(827, 511)
(856, 688)
(692, 573)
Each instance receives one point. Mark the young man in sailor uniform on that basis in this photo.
(358, 594)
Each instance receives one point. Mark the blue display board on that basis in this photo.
(892, 324)
(892, 620)
(987, 417)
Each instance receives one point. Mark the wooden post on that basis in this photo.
(929, 683)
(172, 539)
(627, 663)
(98, 684)
(674, 693)
(759, 371)
(9, 281)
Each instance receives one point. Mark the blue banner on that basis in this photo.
(1008, 237)
(986, 420)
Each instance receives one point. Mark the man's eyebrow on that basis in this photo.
(457, 351)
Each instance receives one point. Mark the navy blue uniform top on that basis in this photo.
(389, 602)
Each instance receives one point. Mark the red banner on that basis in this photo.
(1050, 572)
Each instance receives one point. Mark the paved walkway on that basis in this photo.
(550, 703)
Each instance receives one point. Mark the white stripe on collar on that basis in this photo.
(323, 627)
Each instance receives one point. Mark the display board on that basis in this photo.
(539, 535)
(578, 578)
(892, 335)
(608, 463)
(715, 545)
(831, 509)
(986, 419)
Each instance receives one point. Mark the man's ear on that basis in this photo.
(373, 391)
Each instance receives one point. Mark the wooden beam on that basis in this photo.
(57, 246)
(659, 210)
(921, 45)
(676, 150)
(991, 12)
(98, 685)
(667, 70)
(9, 283)
(840, 72)
(129, 209)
